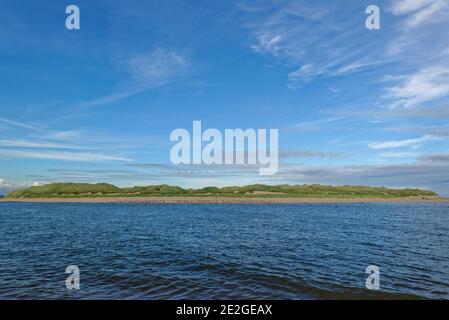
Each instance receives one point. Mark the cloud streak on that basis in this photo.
(33, 144)
(419, 12)
(62, 156)
(428, 172)
(425, 85)
(146, 71)
(11, 123)
(292, 154)
(336, 47)
(402, 143)
(48, 144)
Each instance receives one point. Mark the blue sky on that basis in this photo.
(353, 106)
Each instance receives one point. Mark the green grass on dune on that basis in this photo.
(85, 190)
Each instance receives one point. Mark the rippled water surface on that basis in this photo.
(136, 251)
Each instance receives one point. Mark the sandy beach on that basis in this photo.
(230, 200)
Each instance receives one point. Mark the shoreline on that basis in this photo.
(228, 200)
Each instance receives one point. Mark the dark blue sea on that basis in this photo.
(276, 251)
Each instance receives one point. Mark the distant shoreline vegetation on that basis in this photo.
(102, 190)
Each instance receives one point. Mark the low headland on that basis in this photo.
(257, 193)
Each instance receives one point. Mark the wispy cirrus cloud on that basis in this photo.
(425, 85)
(356, 66)
(428, 61)
(63, 156)
(146, 71)
(420, 12)
(35, 144)
(158, 68)
(336, 47)
(417, 22)
(320, 124)
(403, 143)
(38, 130)
(16, 124)
(63, 135)
(409, 6)
(26, 141)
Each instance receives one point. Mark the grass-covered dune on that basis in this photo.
(84, 190)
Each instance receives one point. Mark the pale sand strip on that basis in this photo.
(231, 200)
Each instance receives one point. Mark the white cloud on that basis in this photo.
(427, 14)
(306, 72)
(3, 184)
(398, 155)
(33, 144)
(402, 143)
(8, 186)
(419, 11)
(425, 85)
(268, 43)
(158, 68)
(63, 156)
(310, 71)
(357, 66)
(408, 6)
